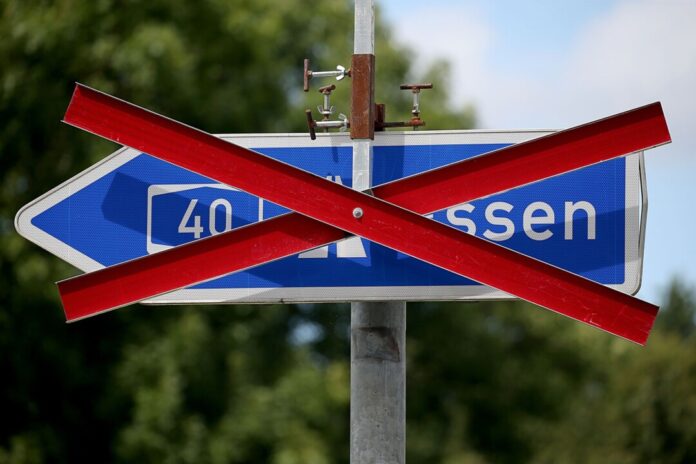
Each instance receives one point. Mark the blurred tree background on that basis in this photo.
(489, 382)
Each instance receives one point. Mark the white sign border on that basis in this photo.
(634, 185)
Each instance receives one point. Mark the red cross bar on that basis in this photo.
(330, 207)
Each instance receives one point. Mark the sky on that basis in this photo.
(554, 64)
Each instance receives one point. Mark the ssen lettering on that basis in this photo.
(537, 219)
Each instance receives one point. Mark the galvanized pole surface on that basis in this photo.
(378, 383)
(378, 329)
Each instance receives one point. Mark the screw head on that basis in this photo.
(357, 213)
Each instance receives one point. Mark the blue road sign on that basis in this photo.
(132, 204)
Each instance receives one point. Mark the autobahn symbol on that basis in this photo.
(335, 209)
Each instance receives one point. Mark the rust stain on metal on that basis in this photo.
(311, 124)
(413, 122)
(362, 115)
(380, 116)
(429, 85)
(376, 343)
(307, 76)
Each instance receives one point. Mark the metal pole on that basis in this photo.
(378, 329)
(378, 383)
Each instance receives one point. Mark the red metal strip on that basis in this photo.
(381, 222)
(524, 163)
(194, 262)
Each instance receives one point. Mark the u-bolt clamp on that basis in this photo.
(326, 110)
(342, 124)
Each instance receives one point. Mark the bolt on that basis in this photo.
(339, 74)
(416, 88)
(357, 213)
(327, 109)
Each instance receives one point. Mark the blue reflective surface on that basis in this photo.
(108, 219)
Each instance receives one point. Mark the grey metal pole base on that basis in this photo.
(378, 383)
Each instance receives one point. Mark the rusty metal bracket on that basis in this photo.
(362, 120)
(366, 117)
(415, 121)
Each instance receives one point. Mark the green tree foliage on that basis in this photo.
(130, 386)
(640, 403)
(680, 316)
(489, 382)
